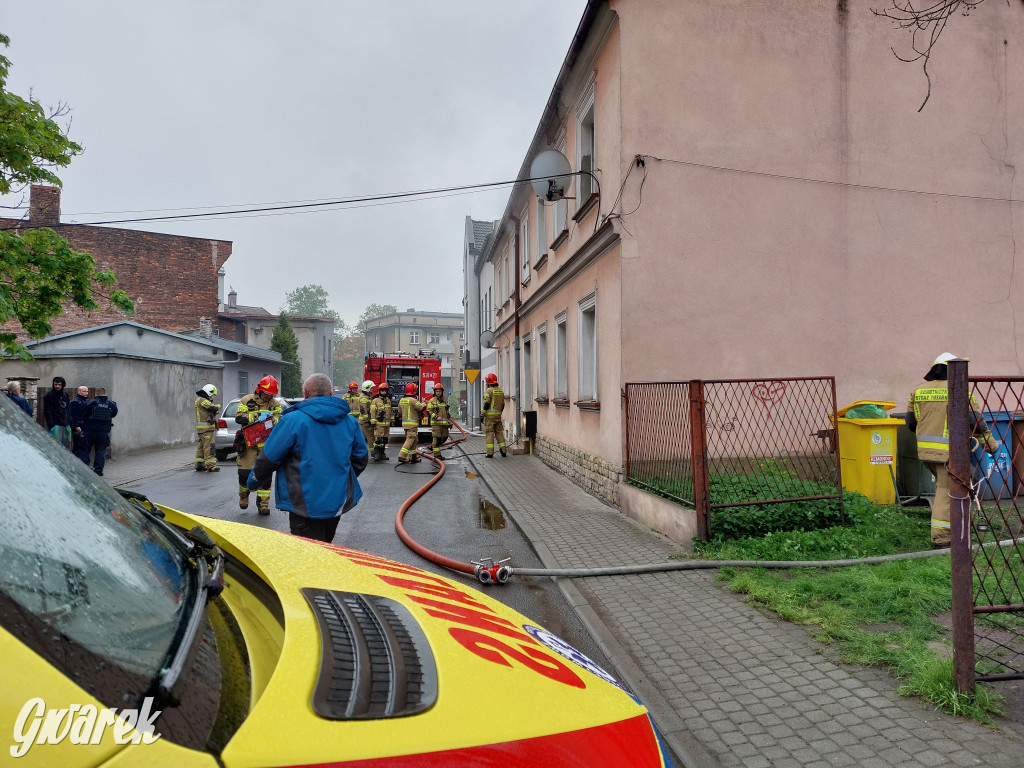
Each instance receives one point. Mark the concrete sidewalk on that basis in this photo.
(727, 685)
(141, 466)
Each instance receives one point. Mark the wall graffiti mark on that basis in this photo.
(768, 394)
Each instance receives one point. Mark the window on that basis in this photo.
(414, 337)
(561, 358)
(243, 383)
(540, 227)
(542, 362)
(434, 337)
(462, 335)
(586, 145)
(462, 374)
(509, 287)
(524, 246)
(561, 218)
(587, 352)
(527, 374)
(490, 303)
(499, 274)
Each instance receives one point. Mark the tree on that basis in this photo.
(39, 271)
(348, 360)
(925, 23)
(309, 301)
(373, 311)
(284, 341)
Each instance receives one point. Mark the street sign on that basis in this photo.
(471, 374)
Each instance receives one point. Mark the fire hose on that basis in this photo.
(487, 571)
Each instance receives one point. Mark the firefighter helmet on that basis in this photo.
(491, 379)
(945, 357)
(210, 390)
(438, 388)
(367, 387)
(410, 388)
(938, 369)
(268, 385)
(353, 385)
(384, 387)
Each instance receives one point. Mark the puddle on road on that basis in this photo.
(491, 518)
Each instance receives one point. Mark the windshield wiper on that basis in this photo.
(197, 546)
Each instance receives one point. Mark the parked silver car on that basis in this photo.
(224, 439)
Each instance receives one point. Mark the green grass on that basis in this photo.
(879, 615)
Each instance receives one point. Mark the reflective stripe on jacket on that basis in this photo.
(380, 410)
(494, 401)
(410, 409)
(438, 410)
(206, 413)
(250, 408)
(929, 404)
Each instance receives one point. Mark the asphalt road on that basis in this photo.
(458, 518)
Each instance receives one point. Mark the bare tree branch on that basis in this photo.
(926, 24)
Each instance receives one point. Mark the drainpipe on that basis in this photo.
(515, 342)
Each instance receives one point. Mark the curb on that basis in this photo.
(684, 747)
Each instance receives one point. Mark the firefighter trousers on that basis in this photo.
(494, 432)
(940, 504)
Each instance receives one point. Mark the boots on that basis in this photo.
(200, 468)
(243, 501)
(504, 454)
(263, 506)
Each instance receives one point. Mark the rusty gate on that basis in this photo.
(733, 442)
(997, 520)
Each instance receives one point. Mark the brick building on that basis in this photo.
(172, 279)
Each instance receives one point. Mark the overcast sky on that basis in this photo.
(198, 103)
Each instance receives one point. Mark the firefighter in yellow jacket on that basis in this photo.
(926, 415)
(365, 397)
(494, 402)
(261, 405)
(206, 428)
(439, 420)
(410, 409)
(381, 417)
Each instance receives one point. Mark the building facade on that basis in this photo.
(754, 194)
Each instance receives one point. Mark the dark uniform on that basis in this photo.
(97, 421)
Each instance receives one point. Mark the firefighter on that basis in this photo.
(261, 405)
(494, 402)
(352, 398)
(366, 395)
(206, 427)
(439, 420)
(381, 417)
(411, 410)
(926, 415)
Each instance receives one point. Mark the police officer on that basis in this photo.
(494, 402)
(439, 420)
(97, 420)
(261, 405)
(365, 396)
(410, 409)
(80, 444)
(926, 415)
(380, 418)
(206, 427)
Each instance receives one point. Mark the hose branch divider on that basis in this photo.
(489, 571)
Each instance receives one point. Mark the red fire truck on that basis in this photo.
(400, 368)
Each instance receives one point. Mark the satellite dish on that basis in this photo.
(551, 174)
(487, 339)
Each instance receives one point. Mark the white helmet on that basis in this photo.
(945, 357)
(210, 390)
(366, 387)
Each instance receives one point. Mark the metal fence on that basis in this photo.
(997, 521)
(733, 442)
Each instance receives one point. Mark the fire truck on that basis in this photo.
(400, 368)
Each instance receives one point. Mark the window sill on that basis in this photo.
(540, 262)
(561, 402)
(587, 207)
(588, 405)
(558, 241)
(541, 400)
(525, 281)
(505, 305)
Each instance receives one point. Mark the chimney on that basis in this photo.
(206, 327)
(44, 206)
(232, 299)
(220, 289)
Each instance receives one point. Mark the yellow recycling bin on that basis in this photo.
(867, 453)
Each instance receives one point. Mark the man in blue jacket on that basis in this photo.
(317, 449)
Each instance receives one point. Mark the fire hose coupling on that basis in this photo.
(491, 572)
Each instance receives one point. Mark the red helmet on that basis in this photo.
(410, 388)
(491, 379)
(269, 385)
(353, 385)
